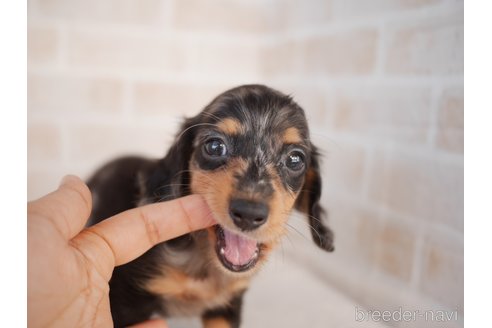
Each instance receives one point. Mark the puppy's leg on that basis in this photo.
(224, 317)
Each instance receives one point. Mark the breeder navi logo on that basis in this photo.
(401, 315)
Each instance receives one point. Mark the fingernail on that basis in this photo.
(66, 179)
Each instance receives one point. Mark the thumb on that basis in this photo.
(67, 208)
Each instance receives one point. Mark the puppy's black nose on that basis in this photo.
(248, 215)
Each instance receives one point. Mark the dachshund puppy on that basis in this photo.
(249, 154)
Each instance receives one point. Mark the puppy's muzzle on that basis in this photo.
(248, 215)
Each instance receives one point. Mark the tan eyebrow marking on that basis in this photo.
(230, 126)
(291, 136)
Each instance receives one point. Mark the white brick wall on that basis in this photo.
(380, 80)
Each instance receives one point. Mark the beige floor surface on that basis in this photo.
(286, 294)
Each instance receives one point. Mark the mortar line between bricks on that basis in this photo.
(61, 53)
(151, 76)
(418, 256)
(436, 95)
(395, 215)
(167, 12)
(380, 51)
(64, 142)
(368, 166)
(417, 150)
(127, 101)
(150, 32)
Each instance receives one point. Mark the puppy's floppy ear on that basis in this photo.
(308, 202)
(172, 176)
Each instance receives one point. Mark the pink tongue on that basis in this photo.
(238, 250)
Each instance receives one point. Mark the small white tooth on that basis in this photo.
(222, 251)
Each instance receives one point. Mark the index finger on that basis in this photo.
(125, 236)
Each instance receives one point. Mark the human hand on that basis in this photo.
(69, 266)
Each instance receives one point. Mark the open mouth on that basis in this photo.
(237, 253)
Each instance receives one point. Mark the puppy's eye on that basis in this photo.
(295, 161)
(216, 148)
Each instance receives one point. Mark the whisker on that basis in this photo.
(314, 218)
(309, 217)
(193, 126)
(283, 251)
(310, 227)
(293, 228)
(171, 185)
(290, 240)
(211, 115)
(166, 197)
(199, 172)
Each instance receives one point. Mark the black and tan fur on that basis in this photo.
(269, 161)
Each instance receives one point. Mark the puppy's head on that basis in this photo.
(249, 154)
